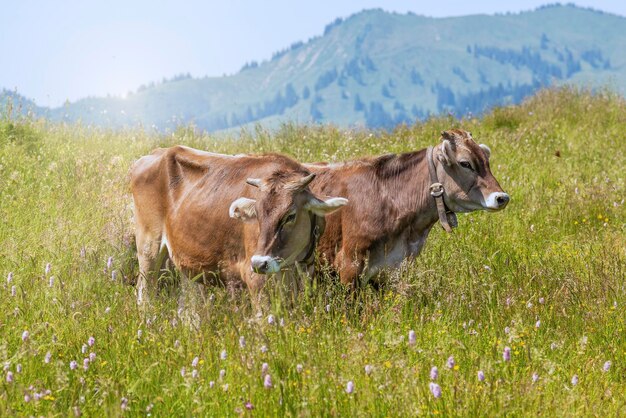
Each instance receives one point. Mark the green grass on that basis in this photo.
(561, 241)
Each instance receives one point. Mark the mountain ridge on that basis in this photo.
(378, 69)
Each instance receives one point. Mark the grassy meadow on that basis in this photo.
(544, 278)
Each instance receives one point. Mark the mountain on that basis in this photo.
(378, 69)
(15, 104)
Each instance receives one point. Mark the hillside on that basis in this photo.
(379, 69)
(544, 279)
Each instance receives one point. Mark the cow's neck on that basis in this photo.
(406, 181)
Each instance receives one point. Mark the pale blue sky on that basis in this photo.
(56, 50)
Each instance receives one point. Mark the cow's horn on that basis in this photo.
(306, 180)
(302, 183)
(254, 182)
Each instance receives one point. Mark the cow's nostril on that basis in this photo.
(503, 199)
(263, 266)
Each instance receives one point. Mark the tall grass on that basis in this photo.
(545, 277)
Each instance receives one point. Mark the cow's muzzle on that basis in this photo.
(497, 201)
(264, 264)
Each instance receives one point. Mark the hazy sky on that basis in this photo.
(56, 50)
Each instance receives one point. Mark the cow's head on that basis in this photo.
(465, 174)
(289, 217)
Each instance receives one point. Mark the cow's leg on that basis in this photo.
(148, 254)
(350, 265)
(192, 299)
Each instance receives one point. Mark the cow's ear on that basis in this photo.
(447, 152)
(486, 150)
(244, 209)
(324, 207)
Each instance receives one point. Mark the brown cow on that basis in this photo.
(189, 205)
(396, 199)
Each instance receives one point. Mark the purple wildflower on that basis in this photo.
(47, 357)
(83, 349)
(10, 277)
(242, 341)
(18, 368)
(350, 387)
(139, 334)
(508, 302)
(13, 290)
(412, 337)
(222, 373)
(85, 363)
(369, 369)
(176, 344)
(507, 330)
(124, 404)
(211, 384)
(574, 380)
(92, 356)
(434, 373)
(299, 368)
(194, 373)
(267, 381)
(114, 275)
(73, 365)
(9, 377)
(249, 406)
(481, 376)
(223, 355)
(450, 363)
(270, 319)
(47, 269)
(109, 263)
(107, 310)
(607, 366)
(51, 281)
(182, 371)
(542, 301)
(506, 355)
(265, 368)
(91, 341)
(27, 398)
(535, 377)
(435, 389)
(537, 324)
(263, 349)
(25, 336)
(195, 361)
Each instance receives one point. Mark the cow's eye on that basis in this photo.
(290, 218)
(466, 164)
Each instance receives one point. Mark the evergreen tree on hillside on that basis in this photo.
(326, 79)
(359, 106)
